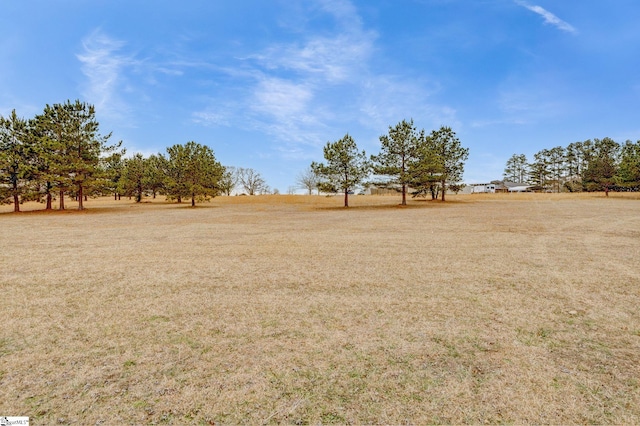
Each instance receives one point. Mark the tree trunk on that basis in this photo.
(115, 196)
(443, 189)
(80, 197)
(193, 200)
(179, 199)
(404, 194)
(86, 197)
(61, 200)
(16, 203)
(49, 197)
(346, 198)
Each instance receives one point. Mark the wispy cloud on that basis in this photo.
(288, 83)
(549, 18)
(103, 65)
(315, 87)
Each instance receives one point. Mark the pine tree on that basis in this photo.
(17, 171)
(193, 171)
(345, 169)
(71, 148)
(398, 149)
(450, 155)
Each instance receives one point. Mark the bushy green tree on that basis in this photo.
(398, 149)
(193, 171)
(17, 165)
(132, 182)
(628, 175)
(155, 174)
(113, 167)
(345, 169)
(601, 169)
(425, 169)
(450, 156)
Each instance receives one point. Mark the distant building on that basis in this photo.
(499, 186)
(483, 188)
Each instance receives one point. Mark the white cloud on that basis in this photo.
(281, 99)
(320, 85)
(549, 17)
(103, 66)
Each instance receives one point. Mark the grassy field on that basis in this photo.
(521, 308)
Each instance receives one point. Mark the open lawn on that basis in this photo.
(520, 308)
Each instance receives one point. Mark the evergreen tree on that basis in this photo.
(193, 172)
(425, 169)
(540, 171)
(345, 169)
(398, 150)
(113, 167)
(628, 175)
(556, 163)
(601, 169)
(72, 147)
(450, 156)
(517, 169)
(133, 176)
(155, 173)
(17, 170)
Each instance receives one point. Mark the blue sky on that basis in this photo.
(266, 83)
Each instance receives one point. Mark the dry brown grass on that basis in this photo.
(518, 308)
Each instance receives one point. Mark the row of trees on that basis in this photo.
(189, 170)
(61, 153)
(592, 165)
(408, 160)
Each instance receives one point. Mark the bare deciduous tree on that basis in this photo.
(251, 181)
(308, 179)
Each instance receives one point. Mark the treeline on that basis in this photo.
(409, 160)
(60, 153)
(592, 165)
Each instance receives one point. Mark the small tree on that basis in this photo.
(601, 168)
(628, 175)
(450, 155)
(517, 169)
(251, 181)
(308, 179)
(540, 169)
(113, 167)
(398, 150)
(425, 169)
(17, 170)
(229, 180)
(346, 167)
(133, 176)
(155, 173)
(193, 172)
